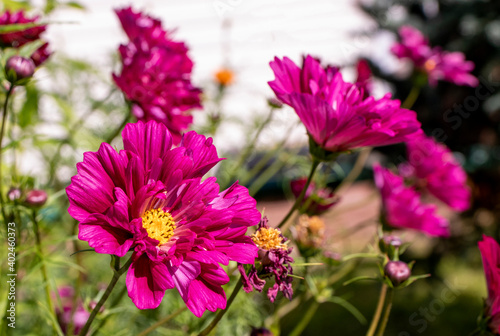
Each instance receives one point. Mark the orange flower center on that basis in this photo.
(268, 239)
(430, 65)
(160, 225)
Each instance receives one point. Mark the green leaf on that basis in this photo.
(29, 112)
(75, 5)
(361, 255)
(19, 26)
(349, 307)
(362, 277)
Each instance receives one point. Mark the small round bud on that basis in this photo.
(14, 194)
(273, 102)
(19, 69)
(261, 332)
(397, 272)
(36, 197)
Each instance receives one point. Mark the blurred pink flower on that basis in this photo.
(335, 114)
(490, 253)
(40, 55)
(19, 38)
(156, 74)
(403, 208)
(364, 79)
(436, 170)
(78, 317)
(150, 198)
(318, 201)
(437, 64)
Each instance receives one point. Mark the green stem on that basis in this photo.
(378, 311)
(162, 321)
(221, 313)
(306, 318)
(42, 261)
(117, 131)
(117, 273)
(116, 300)
(412, 97)
(2, 132)
(387, 312)
(79, 280)
(296, 205)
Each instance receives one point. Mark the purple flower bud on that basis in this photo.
(261, 332)
(14, 194)
(273, 102)
(392, 240)
(18, 68)
(36, 197)
(397, 272)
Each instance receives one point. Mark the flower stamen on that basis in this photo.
(160, 225)
(269, 239)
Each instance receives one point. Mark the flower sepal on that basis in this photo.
(319, 153)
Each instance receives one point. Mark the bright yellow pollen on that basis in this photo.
(268, 239)
(160, 225)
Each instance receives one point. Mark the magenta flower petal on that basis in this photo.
(150, 198)
(147, 281)
(490, 253)
(403, 207)
(336, 114)
(19, 38)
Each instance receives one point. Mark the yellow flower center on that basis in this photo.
(268, 239)
(160, 225)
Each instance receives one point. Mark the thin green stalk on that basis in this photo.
(116, 300)
(117, 131)
(267, 174)
(378, 311)
(221, 313)
(355, 171)
(306, 318)
(163, 321)
(2, 132)
(42, 261)
(117, 273)
(387, 312)
(412, 97)
(296, 205)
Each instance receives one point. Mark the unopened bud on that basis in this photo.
(273, 102)
(18, 69)
(397, 271)
(14, 194)
(36, 197)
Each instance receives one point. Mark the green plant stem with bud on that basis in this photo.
(221, 313)
(2, 132)
(299, 199)
(117, 273)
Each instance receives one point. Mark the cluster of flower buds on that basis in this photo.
(33, 198)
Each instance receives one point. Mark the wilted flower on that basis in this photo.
(36, 197)
(224, 77)
(275, 260)
(18, 69)
(335, 114)
(77, 316)
(156, 74)
(19, 38)
(315, 202)
(150, 197)
(490, 253)
(437, 64)
(397, 271)
(309, 234)
(402, 207)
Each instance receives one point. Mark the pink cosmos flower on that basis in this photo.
(150, 198)
(364, 79)
(436, 170)
(490, 253)
(19, 38)
(274, 261)
(318, 201)
(156, 74)
(403, 208)
(334, 112)
(437, 64)
(65, 317)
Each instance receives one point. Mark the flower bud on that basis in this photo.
(261, 332)
(36, 197)
(397, 271)
(273, 102)
(14, 194)
(19, 69)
